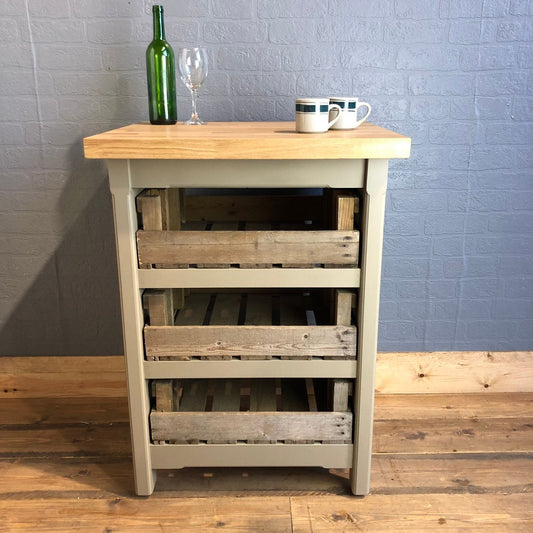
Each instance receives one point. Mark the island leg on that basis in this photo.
(132, 323)
(368, 316)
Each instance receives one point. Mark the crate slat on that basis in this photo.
(339, 389)
(258, 313)
(194, 396)
(173, 222)
(236, 341)
(248, 426)
(292, 312)
(194, 310)
(159, 305)
(263, 395)
(226, 398)
(220, 226)
(226, 309)
(344, 206)
(165, 400)
(249, 247)
(193, 399)
(257, 226)
(150, 207)
(225, 313)
(227, 395)
(263, 398)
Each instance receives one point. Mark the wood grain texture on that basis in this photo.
(496, 512)
(90, 478)
(158, 303)
(70, 440)
(149, 205)
(226, 247)
(491, 435)
(137, 514)
(474, 406)
(244, 140)
(454, 372)
(234, 341)
(37, 377)
(65, 465)
(245, 426)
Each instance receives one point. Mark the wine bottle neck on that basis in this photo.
(159, 25)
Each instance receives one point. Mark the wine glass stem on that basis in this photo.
(194, 96)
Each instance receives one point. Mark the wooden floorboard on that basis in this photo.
(92, 478)
(493, 512)
(452, 462)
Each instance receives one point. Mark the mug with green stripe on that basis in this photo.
(347, 117)
(312, 115)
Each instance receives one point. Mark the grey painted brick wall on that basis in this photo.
(455, 75)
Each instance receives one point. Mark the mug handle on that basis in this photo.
(367, 113)
(339, 111)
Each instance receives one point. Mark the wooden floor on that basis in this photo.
(444, 462)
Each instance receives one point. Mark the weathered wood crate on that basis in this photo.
(252, 411)
(256, 324)
(265, 231)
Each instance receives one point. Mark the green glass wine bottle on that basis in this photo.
(160, 69)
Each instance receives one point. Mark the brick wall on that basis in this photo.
(455, 75)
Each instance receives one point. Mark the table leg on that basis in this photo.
(368, 316)
(132, 323)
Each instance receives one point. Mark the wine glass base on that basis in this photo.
(194, 122)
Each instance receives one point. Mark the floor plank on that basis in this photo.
(65, 477)
(62, 377)
(141, 514)
(300, 514)
(74, 440)
(441, 461)
(452, 436)
(454, 372)
(426, 512)
(49, 411)
(453, 406)
(79, 477)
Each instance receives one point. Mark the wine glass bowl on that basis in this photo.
(193, 67)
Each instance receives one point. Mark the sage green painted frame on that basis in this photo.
(127, 178)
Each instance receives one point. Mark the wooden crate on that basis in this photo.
(252, 411)
(262, 231)
(255, 324)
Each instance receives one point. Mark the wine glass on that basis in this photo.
(192, 65)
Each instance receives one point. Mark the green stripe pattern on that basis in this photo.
(350, 106)
(311, 108)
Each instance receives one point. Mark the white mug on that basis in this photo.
(348, 114)
(312, 115)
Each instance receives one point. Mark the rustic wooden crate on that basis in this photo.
(248, 325)
(251, 411)
(246, 231)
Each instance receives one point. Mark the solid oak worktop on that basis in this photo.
(245, 140)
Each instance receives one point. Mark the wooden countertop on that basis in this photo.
(245, 140)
